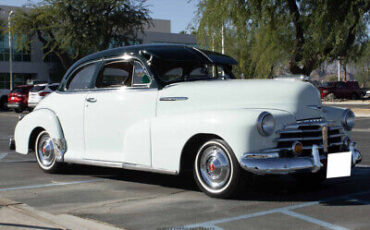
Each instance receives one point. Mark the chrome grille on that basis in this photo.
(310, 133)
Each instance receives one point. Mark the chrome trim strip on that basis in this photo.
(128, 166)
(261, 155)
(337, 135)
(298, 139)
(148, 169)
(299, 131)
(320, 123)
(173, 98)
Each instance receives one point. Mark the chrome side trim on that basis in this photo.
(148, 169)
(261, 155)
(122, 165)
(173, 98)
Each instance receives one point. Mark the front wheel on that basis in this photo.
(216, 170)
(45, 153)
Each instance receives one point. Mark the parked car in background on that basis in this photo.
(340, 89)
(38, 92)
(173, 108)
(4, 98)
(18, 98)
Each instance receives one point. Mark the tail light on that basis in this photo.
(43, 93)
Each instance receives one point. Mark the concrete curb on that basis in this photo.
(361, 112)
(15, 214)
(349, 102)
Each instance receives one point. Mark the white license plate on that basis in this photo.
(339, 165)
(12, 98)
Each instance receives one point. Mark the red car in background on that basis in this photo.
(18, 98)
(340, 89)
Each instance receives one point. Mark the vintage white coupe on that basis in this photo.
(170, 108)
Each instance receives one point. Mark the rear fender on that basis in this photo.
(40, 119)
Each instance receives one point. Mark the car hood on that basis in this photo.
(301, 99)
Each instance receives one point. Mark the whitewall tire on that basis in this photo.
(216, 169)
(45, 153)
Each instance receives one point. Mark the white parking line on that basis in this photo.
(362, 166)
(49, 185)
(17, 161)
(212, 223)
(313, 220)
(2, 155)
(361, 130)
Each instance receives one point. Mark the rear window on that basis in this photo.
(37, 88)
(19, 90)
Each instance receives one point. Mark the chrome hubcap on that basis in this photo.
(45, 150)
(214, 167)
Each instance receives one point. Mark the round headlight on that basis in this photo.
(348, 120)
(265, 124)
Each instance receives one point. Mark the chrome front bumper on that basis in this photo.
(271, 163)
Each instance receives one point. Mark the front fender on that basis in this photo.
(237, 127)
(41, 118)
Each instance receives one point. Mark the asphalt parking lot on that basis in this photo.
(138, 200)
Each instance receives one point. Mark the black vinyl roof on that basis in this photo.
(163, 51)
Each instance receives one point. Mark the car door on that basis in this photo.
(118, 113)
(69, 107)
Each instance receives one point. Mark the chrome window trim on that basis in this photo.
(125, 57)
(64, 83)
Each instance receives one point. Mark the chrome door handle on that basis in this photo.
(90, 99)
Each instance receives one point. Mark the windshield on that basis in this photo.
(177, 71)
(37, 88)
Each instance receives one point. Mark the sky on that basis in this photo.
(180, 12)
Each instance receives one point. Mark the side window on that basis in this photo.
(82, 78)
(115, 74)
(173, 74)
(140, 76)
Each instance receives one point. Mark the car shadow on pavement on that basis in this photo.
(260, 188)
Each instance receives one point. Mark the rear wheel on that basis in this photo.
(18, 110)
(216, 170)
(354, 96)
(45, 153)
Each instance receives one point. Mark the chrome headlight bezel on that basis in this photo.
(348, 119)
(266, 124)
